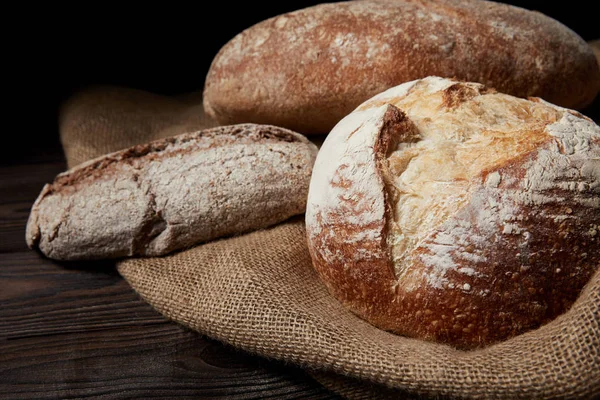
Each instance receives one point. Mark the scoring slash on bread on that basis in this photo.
(446, 211)
(307, 69)
(172, 193)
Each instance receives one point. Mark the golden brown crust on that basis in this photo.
(307, 69)
(359, 288)
(525, 286)
(455, 95)
(517, 235)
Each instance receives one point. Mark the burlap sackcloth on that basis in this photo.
(259, 292)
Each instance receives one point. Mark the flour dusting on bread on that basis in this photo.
(349, 161)
(307, 69)
(155, 198)
(487, 201)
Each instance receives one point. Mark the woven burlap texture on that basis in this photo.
(104, 119)
(259, 292)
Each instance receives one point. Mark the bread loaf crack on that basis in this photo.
(438, 199)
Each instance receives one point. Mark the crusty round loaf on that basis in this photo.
(447, 211)
(172, 193)
(307, 69)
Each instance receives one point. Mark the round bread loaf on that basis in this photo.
(172, 193)
(446, 211)
(307, 69)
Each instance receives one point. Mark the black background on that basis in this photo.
(165, 48)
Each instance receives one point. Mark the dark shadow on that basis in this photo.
(103, 267)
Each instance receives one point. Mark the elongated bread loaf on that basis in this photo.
(307, 69)
(172, 193)
(447, 211)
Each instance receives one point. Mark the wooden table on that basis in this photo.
(79, 331)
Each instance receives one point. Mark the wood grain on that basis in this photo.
(77, 330)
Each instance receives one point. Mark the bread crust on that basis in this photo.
(307, 69)
(172, 193)
(513, 255)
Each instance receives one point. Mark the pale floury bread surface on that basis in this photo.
(172, 193)
(450, 212)
(307, 69)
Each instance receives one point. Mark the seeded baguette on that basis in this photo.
(305, 70)
(172, 193)
(449, 212)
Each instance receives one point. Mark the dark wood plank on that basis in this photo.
(41, 297)
(161, 361)
(20, 184)
(77, 330)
